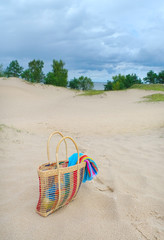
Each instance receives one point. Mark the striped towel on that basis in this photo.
(91, 169)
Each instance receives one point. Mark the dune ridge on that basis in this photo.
(122, 134)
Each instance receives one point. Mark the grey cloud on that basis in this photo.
(87, 35)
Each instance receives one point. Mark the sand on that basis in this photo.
(125, 137)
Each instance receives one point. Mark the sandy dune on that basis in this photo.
(123, 135)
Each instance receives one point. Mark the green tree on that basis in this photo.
(86, 83)
(2, 74)
(26, 75)
(14, 69)
(132, 79)
(108, 86)
(122, 82)
(74, 84)
(50, 78)
(83, 83)
(151, 77)
(118, 85)
(161, 77)
(59, 74)
(35, 71)
(119, 82)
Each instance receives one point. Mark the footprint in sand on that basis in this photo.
(101, 186)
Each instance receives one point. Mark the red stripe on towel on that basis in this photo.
(81, 158)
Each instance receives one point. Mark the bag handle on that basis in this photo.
(57, 149)
(78, 178)
(48, 142)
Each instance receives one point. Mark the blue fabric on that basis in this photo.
(73, 159)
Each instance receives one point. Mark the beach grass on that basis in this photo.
(155, 87)
(158, 97)
(3, 126)
(91, 92)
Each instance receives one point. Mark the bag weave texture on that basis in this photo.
(58, 183)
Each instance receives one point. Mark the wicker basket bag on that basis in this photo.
(58, 183)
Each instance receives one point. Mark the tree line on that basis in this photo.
(123, 82)
(59, 76)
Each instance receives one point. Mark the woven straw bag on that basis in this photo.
(58, 183)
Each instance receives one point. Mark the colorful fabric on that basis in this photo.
(50, 193)
(91, 168)
(66, 187)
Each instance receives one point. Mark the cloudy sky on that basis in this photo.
(95, 38)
